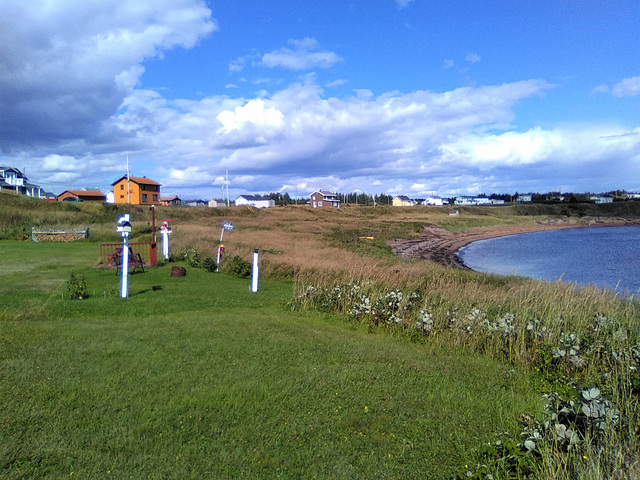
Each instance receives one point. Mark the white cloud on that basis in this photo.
(66, 163)
(336, 83)
(189, 176)
(306, 54)
(600, 89)
(403, 3)
(629, 87)
(449, 63)
(65, 66)
(254, 112)
(473, 58)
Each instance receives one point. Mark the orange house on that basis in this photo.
(136, 190)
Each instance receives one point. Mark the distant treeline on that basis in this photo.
(345, 198)
(358, 198)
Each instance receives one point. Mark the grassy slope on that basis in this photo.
(203, 379)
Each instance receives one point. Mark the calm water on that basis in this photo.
(605, 256)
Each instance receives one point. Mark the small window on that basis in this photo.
(155, 197)
(122, 186)
(144, 197)
(319, 204)
(121, 196)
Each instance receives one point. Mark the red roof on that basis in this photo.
(138, 180)
(84, 193)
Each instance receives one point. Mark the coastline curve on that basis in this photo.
(441, 246)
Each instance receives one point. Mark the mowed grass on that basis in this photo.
(197, 377)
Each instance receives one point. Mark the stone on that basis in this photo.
(178, 271)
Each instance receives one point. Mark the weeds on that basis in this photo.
(77, 287)
(577, 363)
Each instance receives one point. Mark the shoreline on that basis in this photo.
(441, 246)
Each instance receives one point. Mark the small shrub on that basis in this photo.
(192, 256)
(77, 287)
(239, 267)
(209, 264)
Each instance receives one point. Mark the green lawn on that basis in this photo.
(200, 378)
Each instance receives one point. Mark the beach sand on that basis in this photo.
(440, 245)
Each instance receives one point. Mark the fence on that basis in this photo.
(147, 251)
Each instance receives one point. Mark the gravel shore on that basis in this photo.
(440, 245)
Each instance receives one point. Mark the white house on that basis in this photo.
(433, 200)
(524, 198)
(254, 201)
(14, 180)
(604, 199)
(217, 203)
(466, 200)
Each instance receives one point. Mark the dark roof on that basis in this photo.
(20, 174)
(254, 197)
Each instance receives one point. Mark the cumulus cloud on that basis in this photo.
(304, 54)
(188, 177)
(629, 87)
(473, 58)
(65, 66)
(80, 113)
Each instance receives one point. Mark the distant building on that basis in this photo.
(403, 201)
(255, 201)
(217, 203)
(195, 203)
(600, 199)
(170, 201)
(471, 201)
(136, 190)
(13, 180)
(324, 199)
(434, 201)
(524, 198)
(82, 196)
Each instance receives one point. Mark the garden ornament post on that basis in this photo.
(255, 273)
(225, 226)
(124, 228)
(165, 231)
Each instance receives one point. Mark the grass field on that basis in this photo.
(200, 378)
(265, 385)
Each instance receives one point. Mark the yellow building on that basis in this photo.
(136, 190)
(403, 201)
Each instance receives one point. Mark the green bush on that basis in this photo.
(209, 264)
(77, 287)
(239, 267)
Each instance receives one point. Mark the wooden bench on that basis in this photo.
(135, 261)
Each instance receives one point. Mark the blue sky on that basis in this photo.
(383, 96)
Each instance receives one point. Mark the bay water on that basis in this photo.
(607, 257)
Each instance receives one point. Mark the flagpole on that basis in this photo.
(128, 181)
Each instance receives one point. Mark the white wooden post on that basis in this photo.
(124, 228)
(255, 274)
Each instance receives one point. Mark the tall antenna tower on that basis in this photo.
(226, 184)
(128, 181)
